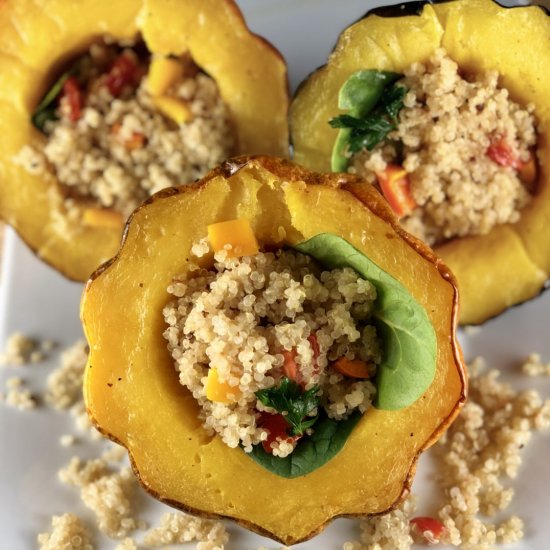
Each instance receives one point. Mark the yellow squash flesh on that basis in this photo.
(131, 386)
(251, 76)
(512, 263)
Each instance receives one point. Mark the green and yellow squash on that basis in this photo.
(132, 390)
(38, 39)
(511, 264)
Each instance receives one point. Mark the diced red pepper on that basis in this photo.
(72, 94)
(430, 529)
(312, 339)
(277, 428)
(124, 72)
(396, 189)
(500, 152)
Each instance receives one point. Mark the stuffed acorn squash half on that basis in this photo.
(443, 107)
(131, 97)
(271, 347)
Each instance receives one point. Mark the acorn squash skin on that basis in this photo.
(250, 73)
(512, 263)
(131, 387)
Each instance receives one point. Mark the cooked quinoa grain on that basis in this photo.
(451, 130)
(64, 386)
(19, 350)
(249, 317)
(178, 528)
(18, 395)
(533, 366)
(107, 492)
(127, 544)
(68, 533)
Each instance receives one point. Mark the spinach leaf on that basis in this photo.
(313, 451)
(367, 132)
(47, 108)
(361, 92)
(289, 398)
(409, 344)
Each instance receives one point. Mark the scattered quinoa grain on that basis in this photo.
(127, 544)
(18, 350)
(177, 528)
(64, 386)
(68, 533)
(533, 366)
(67, 440)
(475, 457)
(17, 395)
(106, 492)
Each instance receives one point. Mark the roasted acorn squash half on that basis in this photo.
(37, 40)
(512, 263)
(131, 387)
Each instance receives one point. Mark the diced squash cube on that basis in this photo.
(220, 392)
(102, 217)
(163, 73)
(236, 233)
(173, 108)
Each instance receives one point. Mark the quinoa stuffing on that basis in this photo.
(125, 125)
(274, 324)
(459, 157)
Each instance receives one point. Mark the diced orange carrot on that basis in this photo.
(102, 217)
(137, 141)
(218, 391)
(290, 368)
(354, 368)
(236, 233)
(528, 173)
(396, 189)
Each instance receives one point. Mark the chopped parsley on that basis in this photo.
(293, 403)
(368, 131)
